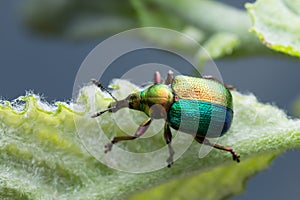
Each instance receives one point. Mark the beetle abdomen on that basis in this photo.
(200, 118)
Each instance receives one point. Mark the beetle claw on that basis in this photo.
(108, 147)
(170, 164)
(235, 156)
(170, 161)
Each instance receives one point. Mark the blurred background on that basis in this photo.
(47, 65)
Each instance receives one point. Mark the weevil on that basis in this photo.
(180, 99)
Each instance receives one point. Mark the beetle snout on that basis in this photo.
(117, 105)
(111, 107)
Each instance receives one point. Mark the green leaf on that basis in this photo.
(218, 183)
(82, 19)
(43, 148)
(213, 18)
(276, 23)
(79, 18)
(221, 44)
(150, 15)
(93, 26)
(218, 45)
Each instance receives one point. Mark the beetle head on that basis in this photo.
(132, 101)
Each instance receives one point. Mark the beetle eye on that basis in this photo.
(134, 100)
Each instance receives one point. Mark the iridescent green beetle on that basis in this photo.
(180, 99)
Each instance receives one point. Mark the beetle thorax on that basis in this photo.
(155, 101)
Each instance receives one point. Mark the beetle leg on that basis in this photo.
(157, 78)
(202, 140)
(168, 138)
(229, 87)
(140, 131)
(169, 77)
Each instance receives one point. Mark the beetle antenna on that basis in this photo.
(101, 112)
(98, 84)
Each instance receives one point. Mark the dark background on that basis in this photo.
(48, 66)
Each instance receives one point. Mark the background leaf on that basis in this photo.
(219, 45)
(276, 23)
(78, 18)
(81, 19)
